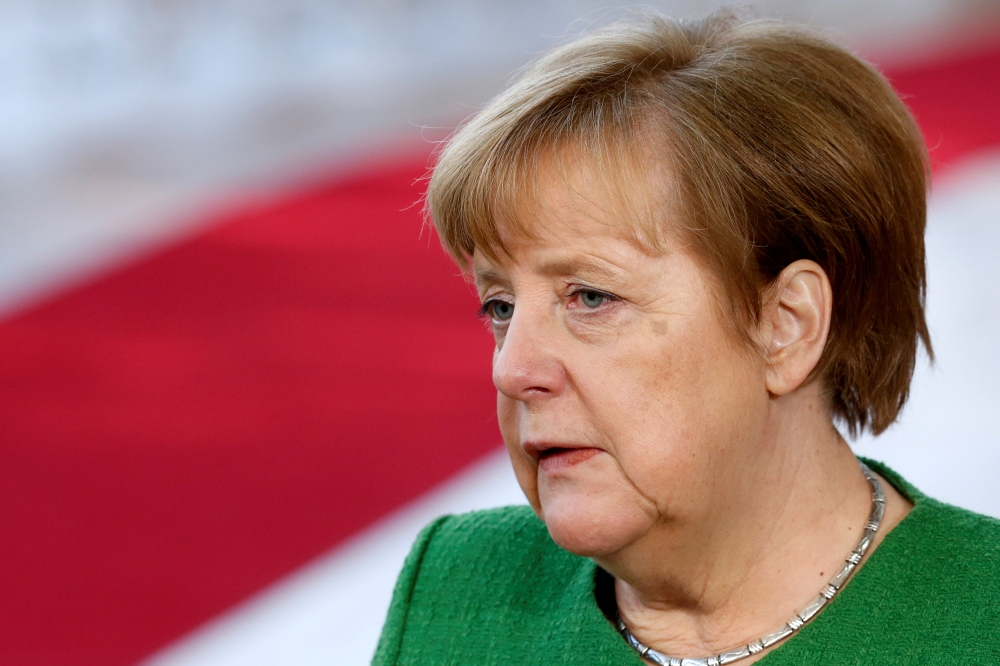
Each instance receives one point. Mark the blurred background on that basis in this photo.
(237, 375)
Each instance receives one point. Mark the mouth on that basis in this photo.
(552, 459)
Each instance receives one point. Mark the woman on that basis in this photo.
(699, 247)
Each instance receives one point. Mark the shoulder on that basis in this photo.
(934, 530)
(934, 583)
(960, 545)
(509, 527)
(937, 532)
(508, 548)
(476, 582)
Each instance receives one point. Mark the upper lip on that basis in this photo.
(538, 450)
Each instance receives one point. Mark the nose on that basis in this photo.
(526, 364)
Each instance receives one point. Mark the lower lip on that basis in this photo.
(565, 459)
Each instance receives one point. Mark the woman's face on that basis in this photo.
(626, 404)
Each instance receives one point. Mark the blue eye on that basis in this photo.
(592, 299)
(499, 310)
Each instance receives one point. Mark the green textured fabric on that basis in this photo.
(491, 587)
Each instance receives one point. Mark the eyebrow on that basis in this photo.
(577, 267)
(489, 276)
(558, 268)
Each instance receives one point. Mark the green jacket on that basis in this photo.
(491, 587)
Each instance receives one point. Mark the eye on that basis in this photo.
(592, 299)
(497, 310)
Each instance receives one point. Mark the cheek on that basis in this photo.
(525, 468)
(682, 402)
(709, 437)
(595, 511)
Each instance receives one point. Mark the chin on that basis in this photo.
(588, 527)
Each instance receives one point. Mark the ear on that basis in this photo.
(795, 324)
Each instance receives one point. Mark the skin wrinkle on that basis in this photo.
(661, 508)
(686, 449)
(484, 277)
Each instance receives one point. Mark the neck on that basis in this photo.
(709, 580)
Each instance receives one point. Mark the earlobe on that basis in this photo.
(797, 318)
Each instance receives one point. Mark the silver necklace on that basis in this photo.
(800, 618)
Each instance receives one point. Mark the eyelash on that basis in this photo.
(611, 298)
(484, 311)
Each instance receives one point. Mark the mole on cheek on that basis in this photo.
(659, 327)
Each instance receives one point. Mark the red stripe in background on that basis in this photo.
(188, 429)
(181, 433)
(956, 100)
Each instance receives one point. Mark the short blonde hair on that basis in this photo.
(784, 145)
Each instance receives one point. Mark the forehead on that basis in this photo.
(581, 222)
(574, 193)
